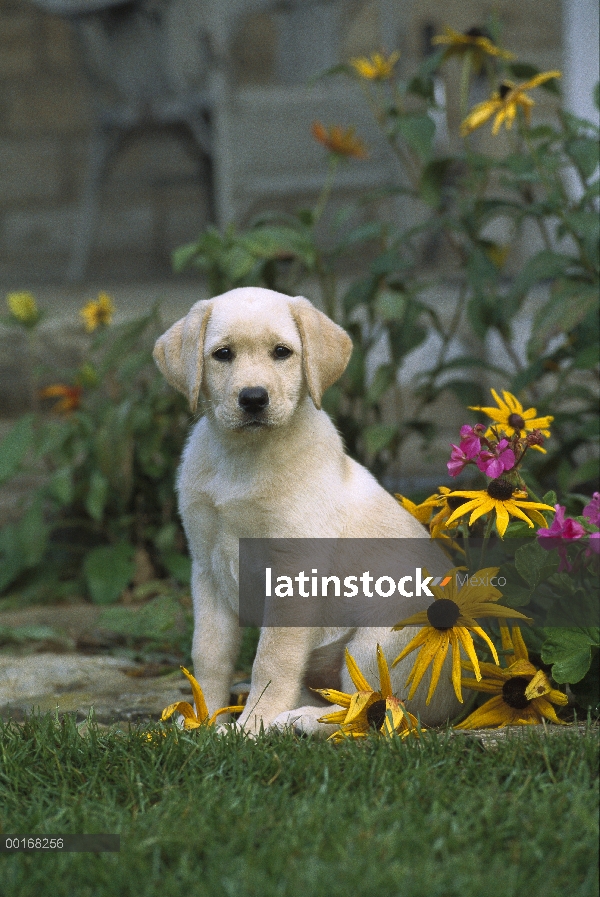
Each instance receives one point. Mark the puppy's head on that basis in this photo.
(253, 354)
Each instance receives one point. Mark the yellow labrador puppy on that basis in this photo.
(266, 462)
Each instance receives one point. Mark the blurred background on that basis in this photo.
(119, 97)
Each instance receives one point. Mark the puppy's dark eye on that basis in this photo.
(223, 354)
(281, 352)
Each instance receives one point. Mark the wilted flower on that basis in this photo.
(23, 308)
(97, 312)
(523, 694)
(339, 141)
(475, 41)
(376, 67)
(194, 718)
(70, 397)
(504, 104)
(368, 711)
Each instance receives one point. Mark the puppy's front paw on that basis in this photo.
(303, 721)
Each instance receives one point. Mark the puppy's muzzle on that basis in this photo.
(253, 399)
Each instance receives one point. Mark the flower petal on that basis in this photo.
(357, 677)
(385, 683)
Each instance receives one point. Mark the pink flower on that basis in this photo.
(563, 529)
(477, 431)
(592, 510)
(463, 454)
(493, 463)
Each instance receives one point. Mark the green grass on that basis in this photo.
(201, 814)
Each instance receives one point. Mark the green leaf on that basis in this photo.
(568, 306)
(466, 392)
(418, 131)
(97, 495)
(183, 256)
(570, 652)
(522, 70)
(390, 305)
(544, 265)
(354, 376)
(534, 563)
(61, 486)
(587, 690)
(108, 570)
(584, 153)
(15, 446)
(276, 241)
(179, 566)
(360, 293)
(586, 472)
(379, 436)
(385, 375)
(433, 181)
(550, 498)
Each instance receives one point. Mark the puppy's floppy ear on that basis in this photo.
(326, 348)
(178, 353)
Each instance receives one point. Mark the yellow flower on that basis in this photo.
(376, 67)
(339, 141)
(368, 711)
(193, 719)
(70, 397)
(449, 621)
(504, 104)
(502, 497)
(23, 308)
(434, 512)
(511, 415)
(523, 694)
(97, 311)
(474, 41)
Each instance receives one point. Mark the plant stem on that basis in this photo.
(486, 538)
(334, 161)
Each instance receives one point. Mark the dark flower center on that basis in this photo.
(443, 614)
(504, 89)
(455, 502)
(477, 32)
(513, 692)
(376, 714)
(500, 489)
(516, 421)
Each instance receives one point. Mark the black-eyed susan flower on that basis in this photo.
(338, 141)
(368, 711)
(501, 497)
(376, 67)
(194, 718)
(475, 41)
(449, 621)
(70, 397)
(435, 511)
(503, 104)
(23, 308)
(523, 695)
(97, 312)
(513, 418)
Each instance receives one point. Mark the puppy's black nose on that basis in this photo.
(253, 399)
